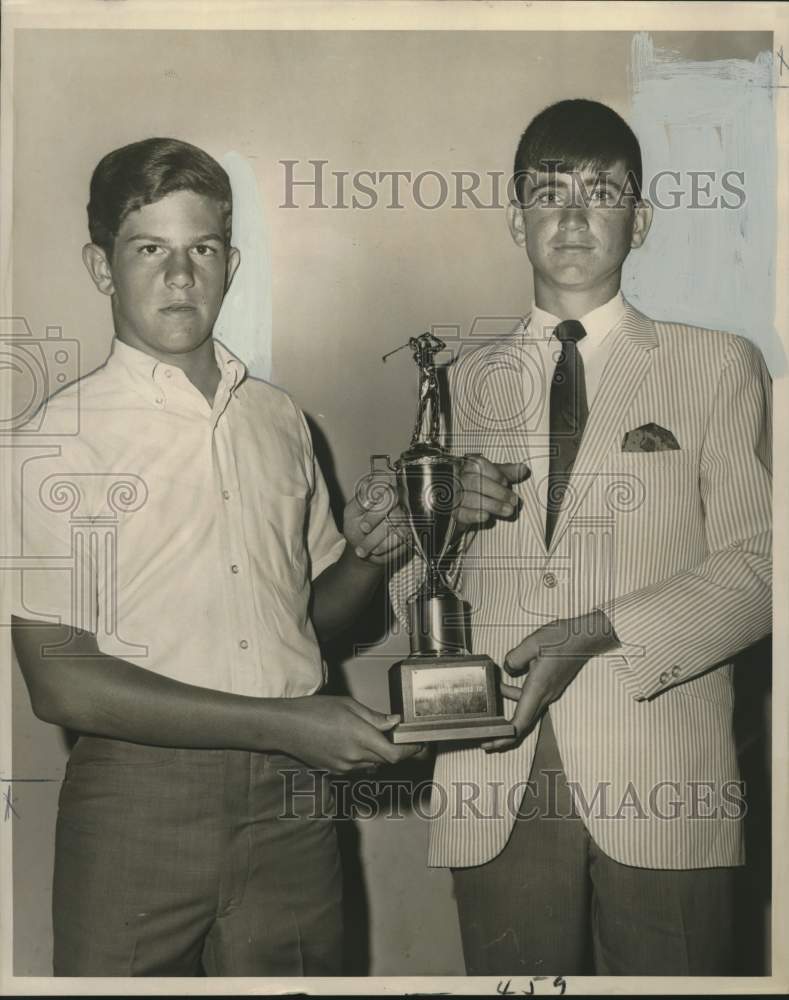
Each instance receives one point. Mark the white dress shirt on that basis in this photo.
(183, 535)
(601, 329)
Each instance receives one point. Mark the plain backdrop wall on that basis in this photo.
(346, 286)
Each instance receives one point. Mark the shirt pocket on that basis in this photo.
(282, 533)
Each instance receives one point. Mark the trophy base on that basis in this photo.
(451, 730)
(446, 698)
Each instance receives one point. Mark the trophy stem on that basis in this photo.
(437, 623)
(433, 586)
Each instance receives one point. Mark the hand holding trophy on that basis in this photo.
(441, 691)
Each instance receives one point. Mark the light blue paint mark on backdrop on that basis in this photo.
(244, 324)
(710, 267)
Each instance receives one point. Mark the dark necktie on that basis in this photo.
(568, 414)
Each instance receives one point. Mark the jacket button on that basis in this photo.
(549, 580)
(676, 671)
(664, 677)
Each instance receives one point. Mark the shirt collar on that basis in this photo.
(598, 323)
(233, 370)
(139, 363)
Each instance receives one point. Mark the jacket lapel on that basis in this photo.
(513, 419)
(626, 369)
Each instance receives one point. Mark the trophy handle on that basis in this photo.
(440, 572)
(427, 486)
(450, 493)
(372, 491)
(380, 463)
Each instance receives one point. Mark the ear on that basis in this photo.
(95, 260)
(233, 260)
(516, 220)
(642, 220)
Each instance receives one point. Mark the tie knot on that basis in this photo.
(570, 329)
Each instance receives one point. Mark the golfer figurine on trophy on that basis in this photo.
(441, 691)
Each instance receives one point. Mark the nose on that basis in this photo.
(573, 218)
(179, 273)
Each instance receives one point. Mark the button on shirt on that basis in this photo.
(601, 333)
(184, 535)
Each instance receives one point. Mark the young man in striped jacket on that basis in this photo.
(615, 585)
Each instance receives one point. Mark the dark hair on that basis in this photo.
(574, 134)
(142, 173)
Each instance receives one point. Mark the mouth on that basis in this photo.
(573, 247)
(179, 307)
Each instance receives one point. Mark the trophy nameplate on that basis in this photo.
(441, 691)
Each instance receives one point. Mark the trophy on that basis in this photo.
(441, 691)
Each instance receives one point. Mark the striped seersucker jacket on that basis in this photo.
(674, 544)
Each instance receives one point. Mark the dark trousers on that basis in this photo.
(551, 903)
(189, 862)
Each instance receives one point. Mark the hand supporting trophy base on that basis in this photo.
(441, 691)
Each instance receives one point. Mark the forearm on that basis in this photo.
(111, 697)
(342, 592)
(90, 692)
(679, 627)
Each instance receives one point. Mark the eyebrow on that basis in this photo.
(548, 182)
(150, 238)
(589, 181)
(605, 179)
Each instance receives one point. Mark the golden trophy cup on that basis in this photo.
(441, 691)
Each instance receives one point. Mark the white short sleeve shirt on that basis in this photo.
(184, 536)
